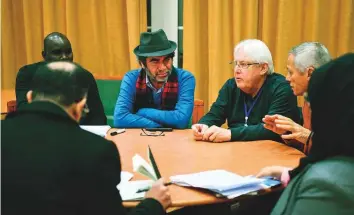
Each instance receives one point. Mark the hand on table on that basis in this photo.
(217, 135)
(272, 171)
(198, 131)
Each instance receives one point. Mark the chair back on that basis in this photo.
(108, 88)
(11, 106)
(198, 110)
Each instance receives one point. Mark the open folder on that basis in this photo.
(130, 191)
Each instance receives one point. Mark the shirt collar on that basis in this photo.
(149, 84)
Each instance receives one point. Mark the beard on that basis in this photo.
(156, 78)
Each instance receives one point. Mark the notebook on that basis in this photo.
(131, 190)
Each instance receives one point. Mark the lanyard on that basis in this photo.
(247, 112)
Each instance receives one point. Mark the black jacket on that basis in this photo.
(49, 165)
(96, 116)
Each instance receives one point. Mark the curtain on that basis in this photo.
(103, 33)
(212, 28)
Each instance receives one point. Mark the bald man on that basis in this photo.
(57, 47)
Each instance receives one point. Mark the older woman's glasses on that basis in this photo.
(242, 65)
(151, 133)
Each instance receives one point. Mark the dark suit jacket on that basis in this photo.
(96, 116)
(326, 187)
(49, 165)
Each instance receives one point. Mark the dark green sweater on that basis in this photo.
(275, 98)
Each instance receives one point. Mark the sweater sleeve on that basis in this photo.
(217, 114)
(123, 112)
(321, 196)
(285, 177)
(180, 116)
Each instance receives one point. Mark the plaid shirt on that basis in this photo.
(156, 93)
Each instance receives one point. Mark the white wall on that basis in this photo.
(164, 15)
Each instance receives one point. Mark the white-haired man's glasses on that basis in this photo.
(242, 65)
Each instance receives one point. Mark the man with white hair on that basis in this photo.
(255, 91)
(303, 59)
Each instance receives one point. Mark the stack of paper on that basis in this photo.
(125, 176)
(100, 130)
(224, 183)
(135, 190)
(129, 190)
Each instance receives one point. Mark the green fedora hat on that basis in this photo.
(154, 44)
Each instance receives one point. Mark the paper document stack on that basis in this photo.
(223, 183)
(100, 130)
(129, 190)
(133, 190)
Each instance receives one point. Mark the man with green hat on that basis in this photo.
(157, 94)
(57, 47)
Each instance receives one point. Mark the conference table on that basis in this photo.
(178, 153)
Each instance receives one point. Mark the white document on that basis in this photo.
(128, 190)
(125, 176)
(215, 180)
(100, 130)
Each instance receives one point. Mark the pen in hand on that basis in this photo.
(145, 189)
